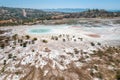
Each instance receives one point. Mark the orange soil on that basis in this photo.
(93, 35)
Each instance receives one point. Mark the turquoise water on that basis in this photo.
(40, 31)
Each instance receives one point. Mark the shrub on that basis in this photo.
(100, 76)
(64, 40)
(60, 36)
(118, 75)
(13, 47)
(56, 38)
(76, 51)
(91, 73)
(9, 56)
(6, 41)
(44, 41)
(75, 40)
(47, 50)
(33, 42)
(14, 57)
(33, 50)
(15, 36)
(27, 37)
(4, 62)
(92, 44)
(2, 46)
(98, 43)
(14, 43)
(80, 39)
(24, 44)
(21, 44)
(20, 40)
(18, 72)
(3, 69)
(35, 39)
(52, 38)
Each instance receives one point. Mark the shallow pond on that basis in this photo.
(40, 31)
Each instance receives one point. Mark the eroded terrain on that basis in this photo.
(85, 51)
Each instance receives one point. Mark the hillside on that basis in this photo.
(20, 16)
(95, 13)
(20, 13)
